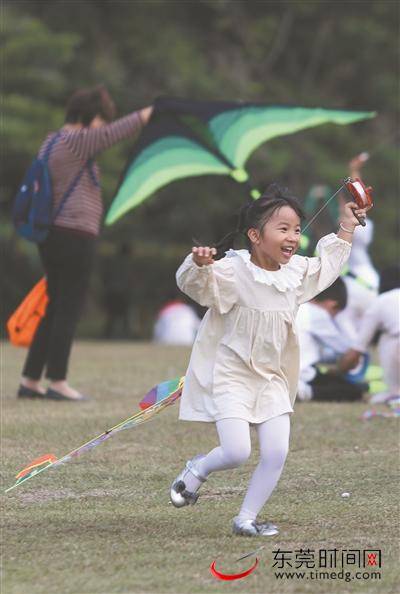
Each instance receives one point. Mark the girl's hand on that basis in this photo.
(203, 256)
(348, 219)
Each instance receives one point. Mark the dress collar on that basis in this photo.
(287, 278)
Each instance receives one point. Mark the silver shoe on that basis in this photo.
(267, 528)
(253, 528)
(179, 495)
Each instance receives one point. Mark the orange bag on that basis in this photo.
(24, 321)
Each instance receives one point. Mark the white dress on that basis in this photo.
(245, 360)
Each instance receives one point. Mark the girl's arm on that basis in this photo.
(87, 142)
(322, 270)
(209, 283)
(349, 222)
(334, 251)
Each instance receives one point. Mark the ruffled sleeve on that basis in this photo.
(211, 286)
(322, 270)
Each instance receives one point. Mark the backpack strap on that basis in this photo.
(88, 164)
(50, 145)
(69, 191)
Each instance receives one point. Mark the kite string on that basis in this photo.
(322, 208)
(386, 141)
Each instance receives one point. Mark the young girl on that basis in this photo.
(244, 365)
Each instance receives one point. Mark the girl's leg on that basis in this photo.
(274, 443)
(234, 449)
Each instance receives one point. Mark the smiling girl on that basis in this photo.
(244, 365)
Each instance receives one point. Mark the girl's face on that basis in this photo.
(279, 238)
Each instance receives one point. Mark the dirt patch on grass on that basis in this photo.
(45, 495)
(221, 493)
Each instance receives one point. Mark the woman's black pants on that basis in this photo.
(67, 258)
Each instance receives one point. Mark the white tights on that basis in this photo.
(235, 449)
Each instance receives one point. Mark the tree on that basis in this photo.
(305, 53)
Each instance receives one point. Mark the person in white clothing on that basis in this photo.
(321, 340)
(244, 364)
(383, 317)
(360, 295)
(177, 324)
(362, 279)
(360, 263)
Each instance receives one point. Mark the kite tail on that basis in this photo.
(155, 401)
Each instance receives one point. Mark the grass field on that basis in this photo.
(103, 523)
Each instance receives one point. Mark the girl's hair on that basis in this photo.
(257, 213)
(85, 104)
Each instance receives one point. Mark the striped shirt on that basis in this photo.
(83, 209)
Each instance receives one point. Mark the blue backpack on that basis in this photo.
(33, 206)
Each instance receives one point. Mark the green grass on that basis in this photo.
(103, 524)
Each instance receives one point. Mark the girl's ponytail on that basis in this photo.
(228, 241)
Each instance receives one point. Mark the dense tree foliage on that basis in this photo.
(328, 54)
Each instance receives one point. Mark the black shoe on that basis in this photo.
(54, 395)
(24, 392)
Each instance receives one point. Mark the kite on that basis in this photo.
(191, 138)
(159, 397)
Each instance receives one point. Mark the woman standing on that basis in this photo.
(68, 251)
